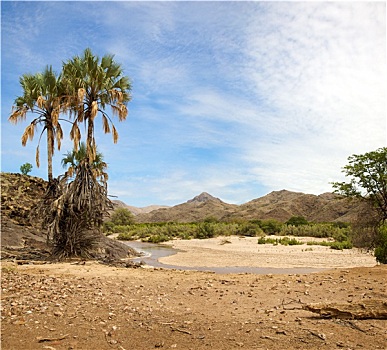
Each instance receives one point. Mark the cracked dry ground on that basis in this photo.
(91, 306)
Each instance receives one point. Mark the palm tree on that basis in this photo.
(97, 84)
(93, 85)
(73, 158)
(43, 96)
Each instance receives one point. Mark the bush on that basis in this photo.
(271, 227)
(333, 245)
(276, 241)
(157, 239)
(205, 230)
(297, 221)
(341, 245)
(316, 230)
(249, 229)
(109, 227)
(289, 241)
(267, 240)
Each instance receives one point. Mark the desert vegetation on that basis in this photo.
(122, 223)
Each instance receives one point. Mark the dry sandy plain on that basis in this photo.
(87, 305)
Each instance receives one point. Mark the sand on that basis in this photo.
(245, 251)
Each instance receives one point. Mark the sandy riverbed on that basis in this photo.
(244, 251)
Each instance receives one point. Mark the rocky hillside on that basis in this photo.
(279, 205)
(282, 205)
(196, 209)
(20, 234)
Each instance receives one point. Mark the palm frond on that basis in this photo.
(81, 94)
(37, 157)
(40, 102)
(59, 136)
(75, 135)
(18, 114)
(123, 112)
(29, 133)
(55, 116)
(115, 134)
(94, 110)
(106, 128)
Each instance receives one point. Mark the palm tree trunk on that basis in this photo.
(90, 141)
(50, 149)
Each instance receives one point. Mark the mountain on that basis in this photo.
(282, 205)
(196, 209)
(136, 210)
(278, 205)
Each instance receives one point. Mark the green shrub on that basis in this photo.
(205, 230)
(271, 227)
(320, 230)
(297, 221)
(340, 236)
(289, 241)
(127, 236)
(333, 245)
(341, 245)
(108, 227)
(268, 240)
(157, 239)
(249, 229)
(276, 241)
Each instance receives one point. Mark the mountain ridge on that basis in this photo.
(279, 205)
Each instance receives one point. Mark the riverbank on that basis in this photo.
(232, 251)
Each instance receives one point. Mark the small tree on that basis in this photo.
(297, 221)
(368, 183)
(26, 168)
(368, 173)
(122, 216)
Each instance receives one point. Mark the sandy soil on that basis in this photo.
(86, 305)
(244, 251)
(91, 306)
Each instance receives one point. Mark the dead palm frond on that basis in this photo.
(115, 134)
(29, 133)
(40, 101)
(37, 157)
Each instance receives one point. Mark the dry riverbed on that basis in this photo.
(93, 306)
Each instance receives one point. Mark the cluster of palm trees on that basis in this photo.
(72, 211)
(81, 92)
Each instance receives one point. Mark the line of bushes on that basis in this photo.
(293, 241)
(123, 223)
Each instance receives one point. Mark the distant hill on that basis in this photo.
(282, 205)
(279, 205)
(136, 210)
(195, 209)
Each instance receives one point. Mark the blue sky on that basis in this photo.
(233, 98)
